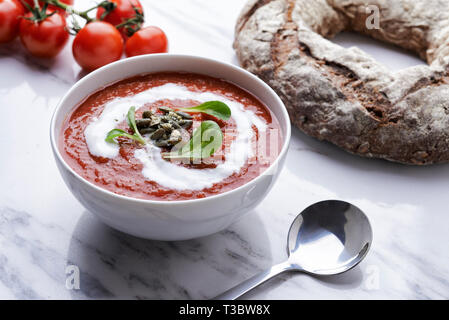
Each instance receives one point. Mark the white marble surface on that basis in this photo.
(43, 228)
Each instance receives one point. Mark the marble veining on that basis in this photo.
(44, 231)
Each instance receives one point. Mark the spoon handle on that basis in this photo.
(253, 282)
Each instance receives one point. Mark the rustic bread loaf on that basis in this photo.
(343, 95)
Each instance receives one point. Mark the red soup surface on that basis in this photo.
(252, 138)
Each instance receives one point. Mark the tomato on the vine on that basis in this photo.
(97, 44)
(145, 41)
(124, 10)
(51, 7)
(46, 38)
(10, 13)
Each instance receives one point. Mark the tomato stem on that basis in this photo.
(69, 9)
(38, 14)
(83, 14)
(133, 24)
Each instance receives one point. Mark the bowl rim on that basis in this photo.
(58, 156)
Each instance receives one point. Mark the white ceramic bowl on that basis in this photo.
(169, 220)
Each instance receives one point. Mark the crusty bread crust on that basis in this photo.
(343, 95)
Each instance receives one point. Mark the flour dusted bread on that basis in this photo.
(343, 95)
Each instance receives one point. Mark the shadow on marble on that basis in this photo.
(17, 51)
(81, 74)
(348, 280)
(115, 265)
(46, 77)
(290, 283)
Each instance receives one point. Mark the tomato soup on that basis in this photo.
(251, 138)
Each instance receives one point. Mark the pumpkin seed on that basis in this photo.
(162, 143)
(165, 109)
(174, 116)
(186, 124)
(184, 115)
(175, 137)
(175, 124)
(155, 121)
(147, 114)
(143, 123)
(147, 130)
(167, 127)
(158, 134)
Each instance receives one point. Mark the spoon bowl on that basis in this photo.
(328, 238)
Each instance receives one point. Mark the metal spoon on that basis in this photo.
(327, 238)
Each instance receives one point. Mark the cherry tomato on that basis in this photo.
(44, 39)
(145, 41)
(51, 7)
(97, 44)
(122, 12)
(10, 13)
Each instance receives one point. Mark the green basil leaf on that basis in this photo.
(131, 119)
(217, 109)
(120, 133)
(205, 141)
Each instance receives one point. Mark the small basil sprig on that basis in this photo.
(205, 141)
(217, 109)
(131, 119)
